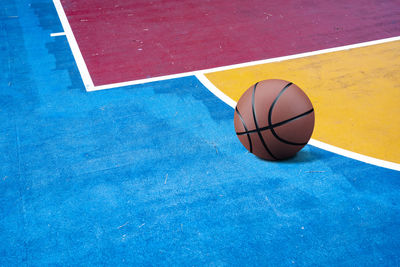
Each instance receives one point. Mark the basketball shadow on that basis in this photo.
(303, 156)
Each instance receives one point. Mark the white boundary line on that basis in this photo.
(80, 62)
(353, 155)
(142, 81)
(88, 82)
(313, 142)
(247, 64)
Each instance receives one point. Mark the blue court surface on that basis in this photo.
(154, 175)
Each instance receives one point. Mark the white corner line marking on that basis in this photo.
(213, 89)
(57, 34)
(246, 64)
(143, 81)
(343, 152)
(80, 62)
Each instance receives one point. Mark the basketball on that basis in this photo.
(274, 119)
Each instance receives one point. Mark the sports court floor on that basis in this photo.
(117, 144)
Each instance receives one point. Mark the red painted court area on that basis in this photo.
(125, 40)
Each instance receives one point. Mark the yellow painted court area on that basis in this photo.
(355, 93)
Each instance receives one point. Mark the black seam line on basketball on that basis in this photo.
(270, 118)
(256, 124)
(277, 124)
(245, 127)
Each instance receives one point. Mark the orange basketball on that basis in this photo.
(274, 119)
